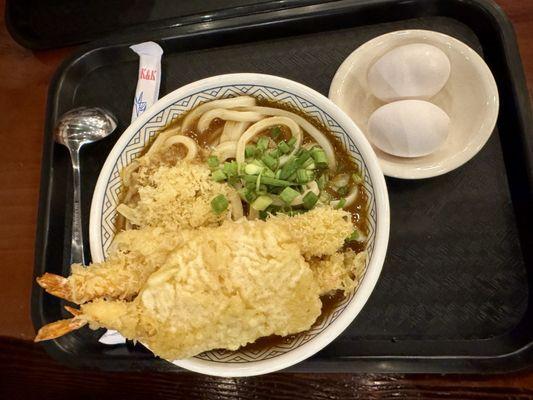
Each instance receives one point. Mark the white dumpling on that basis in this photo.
(408, 128)
(411, 71)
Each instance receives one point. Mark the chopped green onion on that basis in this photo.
(259, 163)
(252, 169)
(275, 132)
(354, 237)
(311, 166)
(262, 190)
(261, 203)
(322, 181)
(262, 143)
(258, 152)
(304, 176)
(269, 173)
(250, 183)
(249, 179)
(291, 141)
(275, 153)
(340, 204)
(293, 165)
(343, 191)
(288, 195)
(276, 189)
(357, 179)
(308, 162)
(284, 147)
(303, 156)
(213, 162)
(320, 157)
(258, 181)
(309, 200)
(302, 152)
(267, 180)
(263, 215)
(233, 180)
(278, 173)
(219, 204)
(230, 168)
(270, 162)
(218, 176)
(249, 151)
(288, 169)
(272, 209)
(247, 195)
(251, 196)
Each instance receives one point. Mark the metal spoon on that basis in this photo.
(73, 130)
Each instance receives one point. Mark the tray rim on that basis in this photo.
(515, 360)
(177, 21)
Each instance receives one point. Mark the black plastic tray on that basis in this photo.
(454, 292)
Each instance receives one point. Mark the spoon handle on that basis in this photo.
(76, 248)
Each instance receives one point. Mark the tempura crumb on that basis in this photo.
(177, 197)
(340, 271)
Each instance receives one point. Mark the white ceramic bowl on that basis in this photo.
(470, 98)
(133, 140)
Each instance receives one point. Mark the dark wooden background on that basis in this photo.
(26, 372)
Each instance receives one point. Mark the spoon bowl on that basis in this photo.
(84, 125)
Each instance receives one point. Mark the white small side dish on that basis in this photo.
(470, 98)
(106, 196)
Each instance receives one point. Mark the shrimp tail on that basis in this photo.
(73, 311)
(59, 328)
(55, 285)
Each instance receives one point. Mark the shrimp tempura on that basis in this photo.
(135, 254)
(223, 288)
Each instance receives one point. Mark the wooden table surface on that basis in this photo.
(27, 372)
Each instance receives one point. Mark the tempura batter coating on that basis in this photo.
(135, 254)
(319, 232)
(224, 288)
